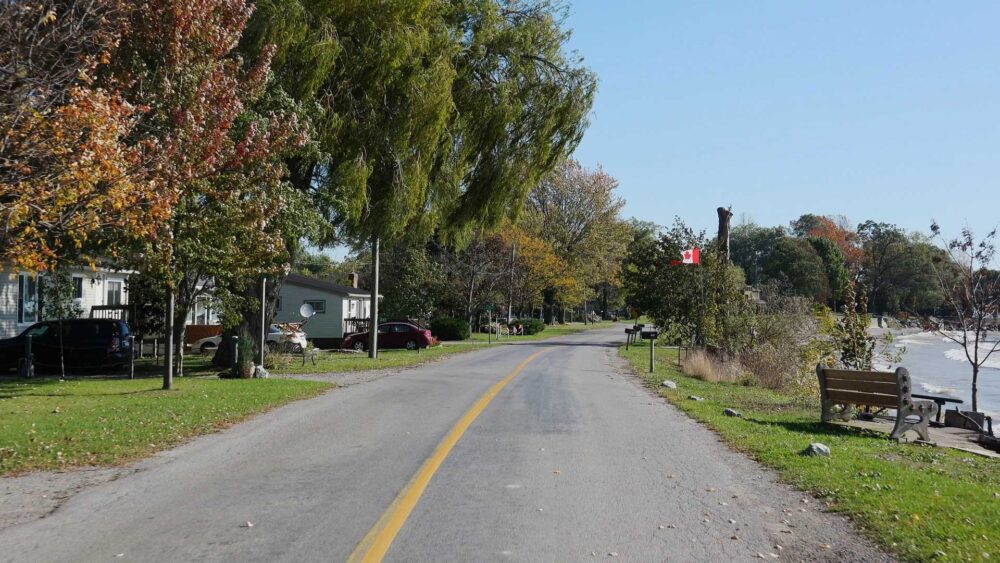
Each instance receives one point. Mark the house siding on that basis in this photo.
(8, 305)
(328, 325)
(93, 294)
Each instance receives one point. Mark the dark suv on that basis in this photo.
(87, 344)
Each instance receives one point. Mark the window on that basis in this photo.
(37, 331)
(318, 305)
(353, 308)
(400, 328)
(114, 293)
(27, 298)
(383, 329)
(77, 287)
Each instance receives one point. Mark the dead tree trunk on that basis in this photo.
(725, 215)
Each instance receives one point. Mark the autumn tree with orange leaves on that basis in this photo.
(72, 162)
(221, 141)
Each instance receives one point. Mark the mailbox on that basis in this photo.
(629, 331)
(650, 333)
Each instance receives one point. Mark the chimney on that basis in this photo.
(352, 280)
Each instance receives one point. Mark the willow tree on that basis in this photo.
(429, 116)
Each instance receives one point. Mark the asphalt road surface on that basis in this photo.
(571, 460)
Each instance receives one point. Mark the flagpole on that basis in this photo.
(701, 321)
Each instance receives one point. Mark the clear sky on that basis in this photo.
(881, 110)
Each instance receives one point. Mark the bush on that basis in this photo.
(450, 329)
(531, 326)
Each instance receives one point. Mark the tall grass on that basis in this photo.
(699, 364)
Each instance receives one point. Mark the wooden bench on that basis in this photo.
(849, 389)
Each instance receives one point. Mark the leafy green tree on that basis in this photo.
(577, 211)
(430, 116)
(806, 224)
(884, 248)
(640, 267)
(56, 296)
(855, 345)
(834, 266)
(750, 247)
(413, 282)
(795, 263)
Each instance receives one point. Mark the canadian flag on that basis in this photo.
(692, 256)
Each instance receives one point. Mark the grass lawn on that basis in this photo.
(920, 502)
(48, 424)
(332, 362)
(551, 331)
(194, 364)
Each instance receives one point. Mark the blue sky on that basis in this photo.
(887, 110)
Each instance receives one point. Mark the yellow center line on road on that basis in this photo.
(376, 542)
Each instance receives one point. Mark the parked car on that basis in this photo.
(280, 337)
(392, 335)
(87, 344)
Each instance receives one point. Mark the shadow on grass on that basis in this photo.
(818, 428)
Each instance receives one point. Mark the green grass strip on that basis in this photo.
(49, 424)
(920, 502)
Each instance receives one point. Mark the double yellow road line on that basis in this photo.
(376, 542)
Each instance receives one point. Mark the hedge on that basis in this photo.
(450, 329)
(531, 326)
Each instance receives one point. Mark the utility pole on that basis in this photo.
(373, 321)
(168, 372)
(510, 290)
(263, 319)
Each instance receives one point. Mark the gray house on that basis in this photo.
(340, 309)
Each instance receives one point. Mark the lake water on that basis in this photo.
(938, 366)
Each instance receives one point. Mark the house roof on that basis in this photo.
(325, 285)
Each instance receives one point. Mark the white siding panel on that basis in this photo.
(8, 304)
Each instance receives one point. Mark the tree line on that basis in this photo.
(206, 144)
(769, 303)
(559, 261)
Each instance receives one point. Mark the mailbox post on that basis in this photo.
(628, 337)
(650, 334)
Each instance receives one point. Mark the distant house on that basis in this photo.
(99, 293)
(339, 309)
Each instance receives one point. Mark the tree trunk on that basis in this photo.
(725, 216)
(975, 388)
(373, 321)
(604, 301)
(250, 321)
(168, 367)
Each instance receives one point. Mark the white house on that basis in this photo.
(337, 307)
(19, 295)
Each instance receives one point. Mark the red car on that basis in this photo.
(392, 335)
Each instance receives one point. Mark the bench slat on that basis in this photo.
(883, 387)
(859, 398)
(860, 375)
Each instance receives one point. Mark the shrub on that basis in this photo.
(531, 326)
(450, 329)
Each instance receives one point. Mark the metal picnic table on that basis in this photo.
(940, 400)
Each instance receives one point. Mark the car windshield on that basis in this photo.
(37, 331)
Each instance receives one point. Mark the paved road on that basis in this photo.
(571, 461)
